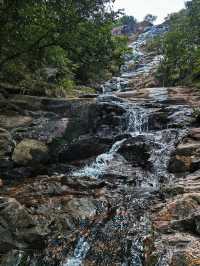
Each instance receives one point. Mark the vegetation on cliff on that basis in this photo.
(56, 44)
(181, 48)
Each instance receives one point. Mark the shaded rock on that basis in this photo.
(109, 118)
(79, 150)
(136, 151)
(13, 121)
(14, 173)
(186, 157)
(17, 228)
(6, 148)
(91, 95)
(44, 129)
(30, 151)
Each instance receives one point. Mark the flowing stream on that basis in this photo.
(161, 142)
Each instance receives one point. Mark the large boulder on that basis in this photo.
(136, 151)
(30, 151)
(81, 149)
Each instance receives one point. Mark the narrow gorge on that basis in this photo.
(104, 179)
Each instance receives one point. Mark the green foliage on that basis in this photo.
(125, 20)
(129, 24)
(150, 18)
(181, 48)
(70, 37)
(155, 45)
(196, 114)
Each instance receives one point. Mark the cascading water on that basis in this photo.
(80, 253)
(131, 199)
(137, 120)
(98, 168)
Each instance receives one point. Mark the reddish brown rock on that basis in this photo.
(176, 225)
(195, 133)
(186, 157)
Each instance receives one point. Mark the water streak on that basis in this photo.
(137, 121)
(98, 168)
(80, 253)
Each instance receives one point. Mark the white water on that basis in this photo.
(98, 168)
(80, 253)
(137, 121)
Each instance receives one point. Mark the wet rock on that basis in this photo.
(177, 211)
(79, 150)
(14, 173)
(17, 227)
(6, 148)
(109, 119)
(6, 143)
(84, 183)
(176, 224)
(136, 151)
(91, 95)
(186, 157)
(80, 208)
(44, 129)
(30, 151)
(174, 250)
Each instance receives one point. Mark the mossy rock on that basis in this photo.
(30, 151)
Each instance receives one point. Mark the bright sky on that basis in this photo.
(139, 8)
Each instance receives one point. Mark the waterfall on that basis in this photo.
(161, 143)
(98, 168)
(137, 120)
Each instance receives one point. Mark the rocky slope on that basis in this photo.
(107, 180)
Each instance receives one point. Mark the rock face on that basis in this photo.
(136, 151)
(31, 126)
(176, 224)
(187, 155)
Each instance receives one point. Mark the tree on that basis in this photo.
(150, 18)
(181, 47)
(70, 34)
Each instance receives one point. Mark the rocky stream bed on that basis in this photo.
(112, 179)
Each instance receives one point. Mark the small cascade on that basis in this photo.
(137, 120)
(80, 253)
(118, 83)
(136, 62)
(98, 168)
